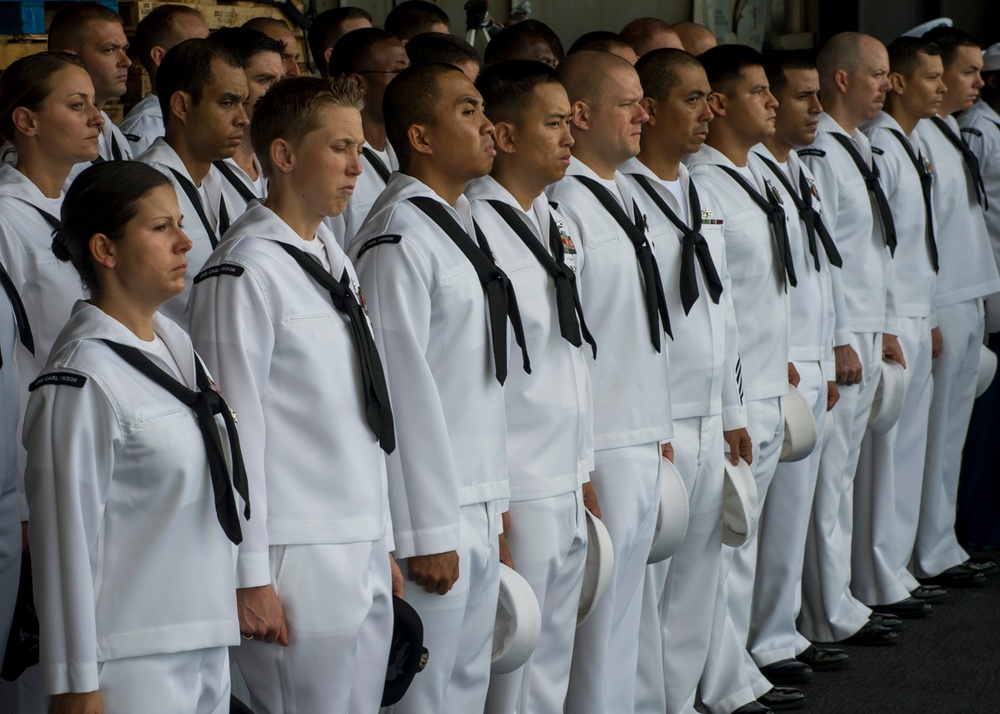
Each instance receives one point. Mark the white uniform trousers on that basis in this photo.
(727, 682)
(680, 623)
(606, 653)
(889, 480)
(955, 372)
(338, 607)
(179, 683)
(781, 538)
(458, 626)
(548, 544)
(829, 610)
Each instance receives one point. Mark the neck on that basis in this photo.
(285, 202)
(728, 143)
(521, 185)
(945, 112)
(844, 119)
(197, 166)
(906, 121)
(374, 132)
(48, 173)
(136, 317)
(244, 158)
(444, 185)
(663, 162)
(595, 160)
(778, 148)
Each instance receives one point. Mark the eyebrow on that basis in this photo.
(469, 99)
(231, 96)
(697, 93)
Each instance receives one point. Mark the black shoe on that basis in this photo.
(959, 576)
(986, 566)
(787, 671)
(783, 699)
(872, 635)
(823, 659)
(929, 593)
(889, 622)
(910, 607)
(752, 708)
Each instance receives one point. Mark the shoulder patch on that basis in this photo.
(68, 378)
(217, 270)
(379, 240)
(971, 130)
(877, 151)
(810, 152)
(134, 138)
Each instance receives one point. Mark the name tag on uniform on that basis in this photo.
(217, 270)
(68, 378)
(377, 241)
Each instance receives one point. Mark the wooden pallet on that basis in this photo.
(27, 17)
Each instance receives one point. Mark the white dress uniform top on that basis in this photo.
(968, 274)
(632, 416)
(48, 286)
(829, 611)
(10, 521)
(204, 237)
(980, 126)
(238, 189)
(706, 400)
(376, 166)
(760, 300)
(890, 473)
(448, 475)
(111, 146)
(136, 565)
(317, 478)
(143, 124)
(549, 453)
(784, 519)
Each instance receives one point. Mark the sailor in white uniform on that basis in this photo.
(841, 162)
(623, 297)
(549, 416)
(706, 395)
(890, 474)
(134, 475)
(440, 309)
(277, 309)
(968, 274)
(198, 133)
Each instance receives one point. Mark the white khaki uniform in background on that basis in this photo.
(829, 611)
(706, 399)
(968, 274)
(448, 475)
(134, 580)
(203, 237)
(632, 417)
(143, 124)
(10, 521)
(549, 455)
(760, 300)
(784, 520)
(890, 472)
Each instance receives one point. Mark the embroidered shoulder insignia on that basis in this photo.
(971, 130)
(877, 151)
(68, 378)
(379, 240)
(810, 152)
(217, 270)
(134, 138)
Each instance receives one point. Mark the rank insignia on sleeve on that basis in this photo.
(67, 378)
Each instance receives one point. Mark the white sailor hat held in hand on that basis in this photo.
(800, 427)
(923, 29)
(597, 571)
(740, 505)
(672, 519)
(987, 368)
(518, 623)
(889, 396)
(991, 58)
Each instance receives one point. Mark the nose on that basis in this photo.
(641, 115)
(96, 118)
(242, 118)
(566, 140)
(184, 243)
(355, 168)
(978, 83)
(770, 99)
(292, 68)
(123, 59)
(815, 106)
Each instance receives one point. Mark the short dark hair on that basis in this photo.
(548, 33)
(289, 110)
(507, 87)
(411, 98)
(187, 67)
(438, 47)
(724, 65)
(657, 70)
(904, 54)
(157, 29)
(102, 199)
(414, 17)
(949, 39)
(777, 62)
(599, 41)
(27, 82)
(353, 52)
(324, 31)
(510, 42)
(245, 44)
(66, 23)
